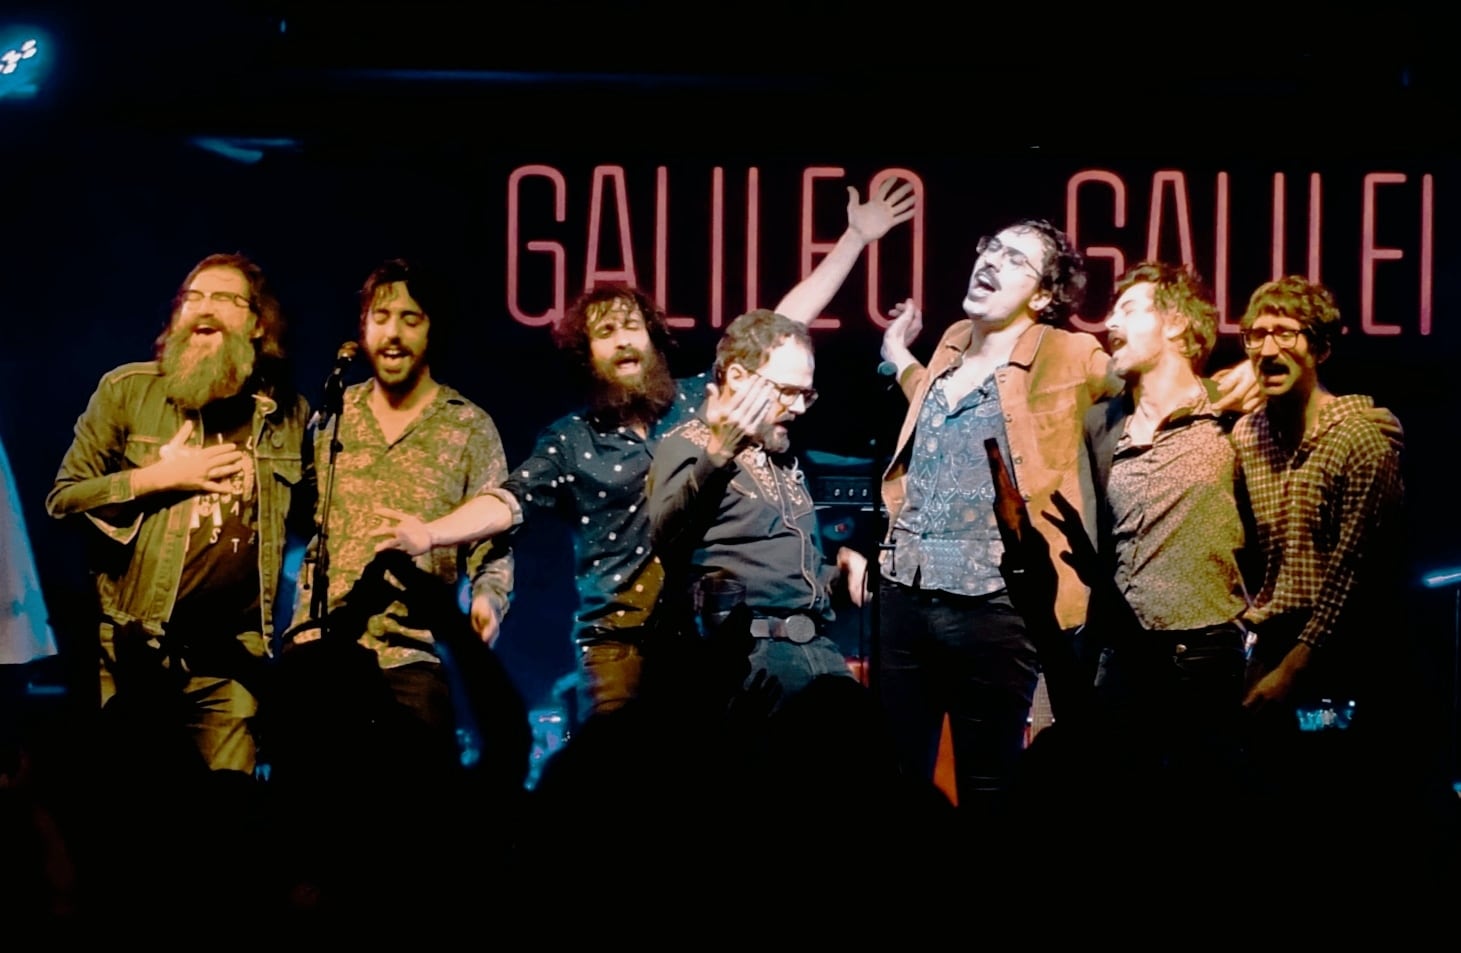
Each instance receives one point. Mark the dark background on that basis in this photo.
(384, 129)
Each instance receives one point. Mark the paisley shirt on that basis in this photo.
(449, 453)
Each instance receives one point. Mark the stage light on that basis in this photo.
(23, 55)
(1441, 578)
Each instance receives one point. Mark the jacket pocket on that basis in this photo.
(142, 450)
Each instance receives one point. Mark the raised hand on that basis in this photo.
(891, 204)
(401, 531)
(899, 336)
(735, 418)
(197, 469)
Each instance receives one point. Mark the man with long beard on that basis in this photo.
(193, 467)
(590, 466)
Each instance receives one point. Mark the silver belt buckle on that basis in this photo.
(799, 629)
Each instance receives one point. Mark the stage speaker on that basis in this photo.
(849, 513)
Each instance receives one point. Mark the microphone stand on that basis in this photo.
(320, 582)
(331, 407)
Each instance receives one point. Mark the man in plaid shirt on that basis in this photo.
(1324, 484)
(1324, 487)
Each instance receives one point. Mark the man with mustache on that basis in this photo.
(1324, 483)
(407, 444)
(193, 467)
(952, 643)
(589, 467)
(727, 501)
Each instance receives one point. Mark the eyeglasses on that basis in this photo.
(991, 246)
(788, 394)
(192, 296)
(1285, 338)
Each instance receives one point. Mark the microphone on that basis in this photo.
(889, 371)
(334, 396)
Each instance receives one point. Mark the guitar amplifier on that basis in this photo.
(843, 490)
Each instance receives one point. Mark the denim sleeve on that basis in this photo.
(94, 478)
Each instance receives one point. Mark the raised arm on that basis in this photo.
(866, 223)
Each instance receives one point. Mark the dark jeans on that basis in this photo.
(1172, 703)
(207, 692)
(796, 665)
(969, 657)
(610, 673)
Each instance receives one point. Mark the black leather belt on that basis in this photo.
(800, 629)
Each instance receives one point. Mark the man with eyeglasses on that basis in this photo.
(727, 501)
(1324, 484)
(589, 467)
(193, 467)
(952, 643)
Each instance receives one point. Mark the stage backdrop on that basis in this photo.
(105, 217)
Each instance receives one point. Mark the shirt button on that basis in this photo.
(1019, 459)
(277, 440)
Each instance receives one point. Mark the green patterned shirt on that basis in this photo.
(448, 454)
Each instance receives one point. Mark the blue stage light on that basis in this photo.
(23, 55)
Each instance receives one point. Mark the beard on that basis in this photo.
(774, 439)
(197, 371)
(642, 399)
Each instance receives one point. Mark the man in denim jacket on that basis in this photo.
(193, 467)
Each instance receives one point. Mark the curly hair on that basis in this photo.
(748, 340)
(1307, 302)
(262, 302)
(570, 333)
(1064, 273)
(1178, 289)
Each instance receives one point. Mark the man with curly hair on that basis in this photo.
(1166, 606)
(589, 467)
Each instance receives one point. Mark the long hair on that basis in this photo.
(271, 368)
(262, 303)
(570, 333)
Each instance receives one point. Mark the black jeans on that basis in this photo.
(969, 657)
(1172, 703)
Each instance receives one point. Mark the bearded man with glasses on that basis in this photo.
(193, 467)
(727, 501)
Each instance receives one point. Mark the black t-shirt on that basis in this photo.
(218, 594)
